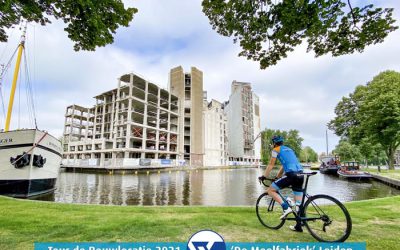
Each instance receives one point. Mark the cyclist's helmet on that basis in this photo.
(277, 139)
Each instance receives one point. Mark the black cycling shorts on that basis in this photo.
(294, 179)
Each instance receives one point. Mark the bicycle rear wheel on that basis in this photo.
(327, 219)
(268, 212)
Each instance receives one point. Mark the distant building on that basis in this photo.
(397, 157)
(243, 113)
(215, 134)
(256, 128)
(188, 87)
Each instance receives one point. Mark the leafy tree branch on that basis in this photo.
(90, 23)
(268, 31)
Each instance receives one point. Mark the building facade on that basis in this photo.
(215, 134)
(135, 121)
(139, 124)
(188, 87)
(256, 128)
(243, 115)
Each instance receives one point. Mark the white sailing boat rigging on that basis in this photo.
(29, 158)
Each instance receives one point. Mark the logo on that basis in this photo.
(206, 240)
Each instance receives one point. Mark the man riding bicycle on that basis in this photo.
(292, 169)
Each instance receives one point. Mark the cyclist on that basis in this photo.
(292, 169)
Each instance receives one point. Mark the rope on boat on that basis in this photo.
(34, 146)
(29, 94)
(3, 73)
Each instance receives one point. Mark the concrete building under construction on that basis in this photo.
(188, 87)
(141, 125)
(128, 125)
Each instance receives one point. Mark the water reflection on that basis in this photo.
(219, 187)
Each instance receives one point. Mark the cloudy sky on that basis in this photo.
(300, 92)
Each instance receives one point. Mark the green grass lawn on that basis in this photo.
(394, 174)
(23, 222)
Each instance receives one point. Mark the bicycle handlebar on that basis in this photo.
(266, 179)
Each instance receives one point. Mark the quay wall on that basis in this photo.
(386, 180)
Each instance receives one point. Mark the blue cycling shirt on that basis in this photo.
(288, 159)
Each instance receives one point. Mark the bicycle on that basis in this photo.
(325, 218)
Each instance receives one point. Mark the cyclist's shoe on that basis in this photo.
(296, 229)
(285, 213)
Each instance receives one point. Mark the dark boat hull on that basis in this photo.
(22, 174)
(356, 176)
(331, 171)
(26, 188)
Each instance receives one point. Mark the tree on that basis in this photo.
(90, 23)
(372, 114)
(292, 139)
(365, 151)
(307, 154)
(347, 151)
(267, 30)
(371, 152)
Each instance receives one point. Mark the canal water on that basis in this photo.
(216, 187)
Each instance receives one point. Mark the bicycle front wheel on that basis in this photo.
(268, 212)
(327, 219)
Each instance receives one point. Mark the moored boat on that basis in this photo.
(330, 165)
(29, 158)
(314, 166)
(351, 170)
(29, 162)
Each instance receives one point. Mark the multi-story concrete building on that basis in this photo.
(243, 113)
(135, 121)
(215, 134)
(256, 128)
(188, 87)
(140, 124)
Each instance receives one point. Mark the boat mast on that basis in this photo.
(14, 83)
(326, 137)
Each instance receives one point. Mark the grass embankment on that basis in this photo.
(393, 174)
(24, 222)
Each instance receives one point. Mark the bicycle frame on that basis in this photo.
(316, 204)
(299, 216)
